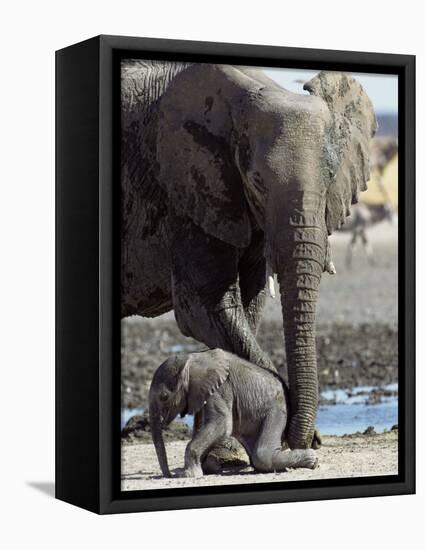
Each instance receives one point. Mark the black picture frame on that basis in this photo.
(87, 277)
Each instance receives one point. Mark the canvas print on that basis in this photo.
(259, 260)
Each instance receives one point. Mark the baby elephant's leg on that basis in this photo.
(207, 435)
(296, 458)
(268, 455)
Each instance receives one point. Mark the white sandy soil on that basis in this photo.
(339, 457)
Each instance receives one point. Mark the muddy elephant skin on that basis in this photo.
(227, 179)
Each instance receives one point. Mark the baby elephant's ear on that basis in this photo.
(208, 370)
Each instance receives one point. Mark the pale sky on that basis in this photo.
(382, 89)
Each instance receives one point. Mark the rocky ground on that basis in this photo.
(356, 455)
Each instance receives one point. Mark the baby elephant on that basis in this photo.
(235, 398)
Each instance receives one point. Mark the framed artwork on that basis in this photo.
(235, 274)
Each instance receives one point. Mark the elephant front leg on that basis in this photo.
(207, 298)
(235, 332)
(205, 438)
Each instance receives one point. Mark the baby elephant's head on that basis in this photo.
(169, 390)
(182, 384)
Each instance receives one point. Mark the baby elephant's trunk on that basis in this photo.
(155, 422)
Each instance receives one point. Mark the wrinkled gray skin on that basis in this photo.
(233, 397)
(227, 178)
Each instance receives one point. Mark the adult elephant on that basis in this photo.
(227, 178)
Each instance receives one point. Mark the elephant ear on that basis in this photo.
(206, 372)
(347, 150)
(196, 164)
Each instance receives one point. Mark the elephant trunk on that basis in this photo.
(299, 265)
(158, 439)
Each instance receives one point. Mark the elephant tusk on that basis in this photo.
(329, 265)
(271, 287)
(331, 268)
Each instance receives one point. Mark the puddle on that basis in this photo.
(343, 419)
(359, 394)
(351, 412)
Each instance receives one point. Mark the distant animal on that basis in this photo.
(230, 396)
(383, 150)
(364, 216)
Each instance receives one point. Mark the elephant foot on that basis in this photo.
(193, 471)
(300, 458)
(310, 460)
(227, 453)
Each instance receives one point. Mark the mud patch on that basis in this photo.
(348, 356)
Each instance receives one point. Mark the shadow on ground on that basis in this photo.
(46, 487)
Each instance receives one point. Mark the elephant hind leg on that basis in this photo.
(296, 458)
(269, 441)
(268, 456)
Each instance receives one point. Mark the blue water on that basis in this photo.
(343, 419)
(350, 414)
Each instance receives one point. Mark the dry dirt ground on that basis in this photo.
(340, 457)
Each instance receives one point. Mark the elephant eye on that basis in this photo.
(163, 396)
